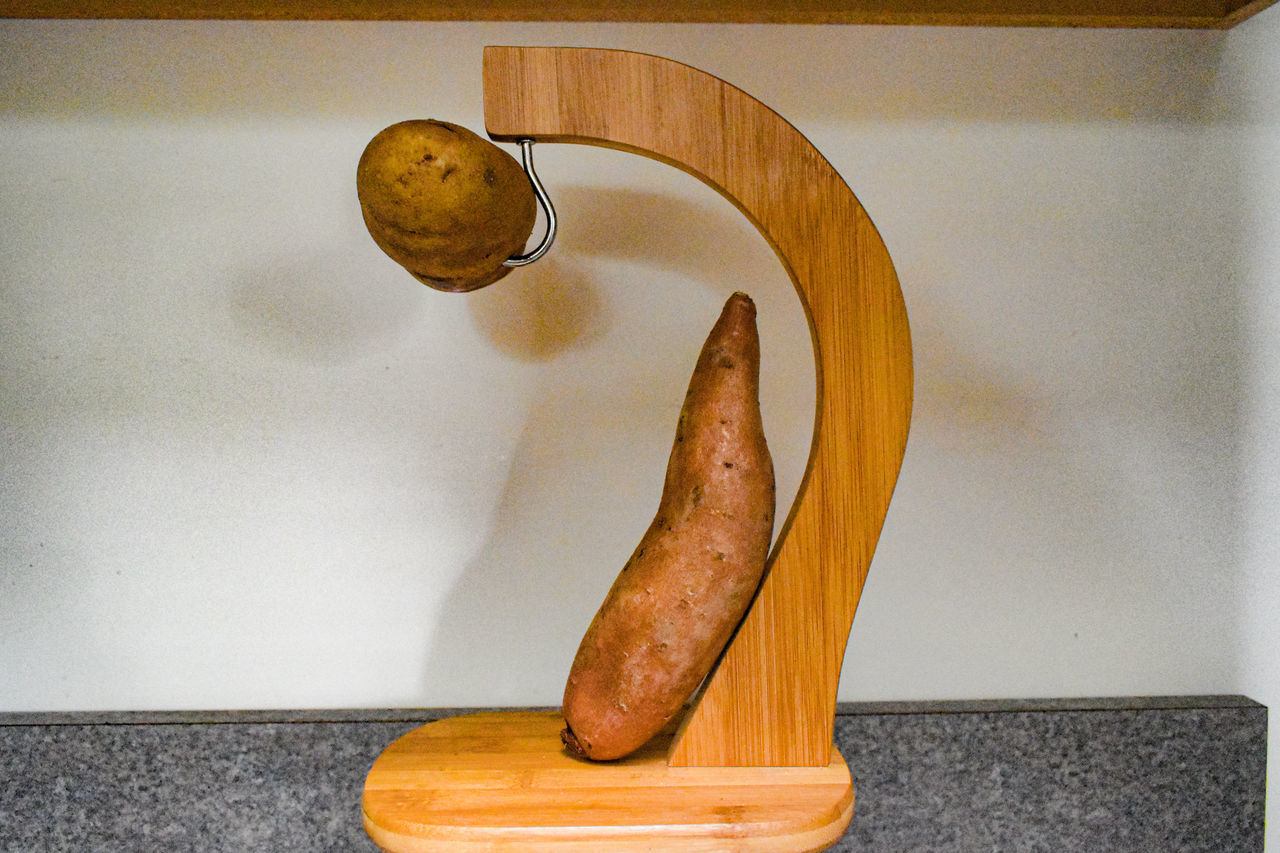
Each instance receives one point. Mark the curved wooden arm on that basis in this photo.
(771, 700)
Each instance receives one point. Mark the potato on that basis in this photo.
(445, 203)
(689, 582)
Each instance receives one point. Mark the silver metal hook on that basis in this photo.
(548, 210)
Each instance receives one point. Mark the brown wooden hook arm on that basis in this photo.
(771, 700)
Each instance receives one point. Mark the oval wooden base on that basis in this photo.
(502, 781)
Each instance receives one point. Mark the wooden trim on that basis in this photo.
(1241, 10)
(1190, 14)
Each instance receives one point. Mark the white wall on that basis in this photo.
(1252, 64)
(247, 462)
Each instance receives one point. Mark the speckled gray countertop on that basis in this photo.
(1146, 774)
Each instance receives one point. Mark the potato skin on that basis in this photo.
(445, 203)
(689, 582)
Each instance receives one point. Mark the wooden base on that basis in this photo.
(498, 781)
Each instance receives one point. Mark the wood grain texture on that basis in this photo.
(771, 700)
(500, 781)
(1198, 14)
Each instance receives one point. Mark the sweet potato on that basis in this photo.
(689, 582)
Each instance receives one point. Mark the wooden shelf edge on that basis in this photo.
(1169, 14)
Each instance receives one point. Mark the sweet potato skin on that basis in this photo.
(689, 582)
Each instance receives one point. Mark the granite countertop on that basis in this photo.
(1129, 774)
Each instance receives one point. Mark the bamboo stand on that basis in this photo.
(751, 766)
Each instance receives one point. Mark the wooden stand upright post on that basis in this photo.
(752, 766)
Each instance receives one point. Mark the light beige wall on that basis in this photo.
(1252, 64)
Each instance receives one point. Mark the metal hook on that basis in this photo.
(548, 210)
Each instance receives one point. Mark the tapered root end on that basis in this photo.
(572, 743)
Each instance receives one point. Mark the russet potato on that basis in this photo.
(445, 203)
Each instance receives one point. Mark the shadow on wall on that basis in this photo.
(315, 307)
(538, 312)
(503, 623)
